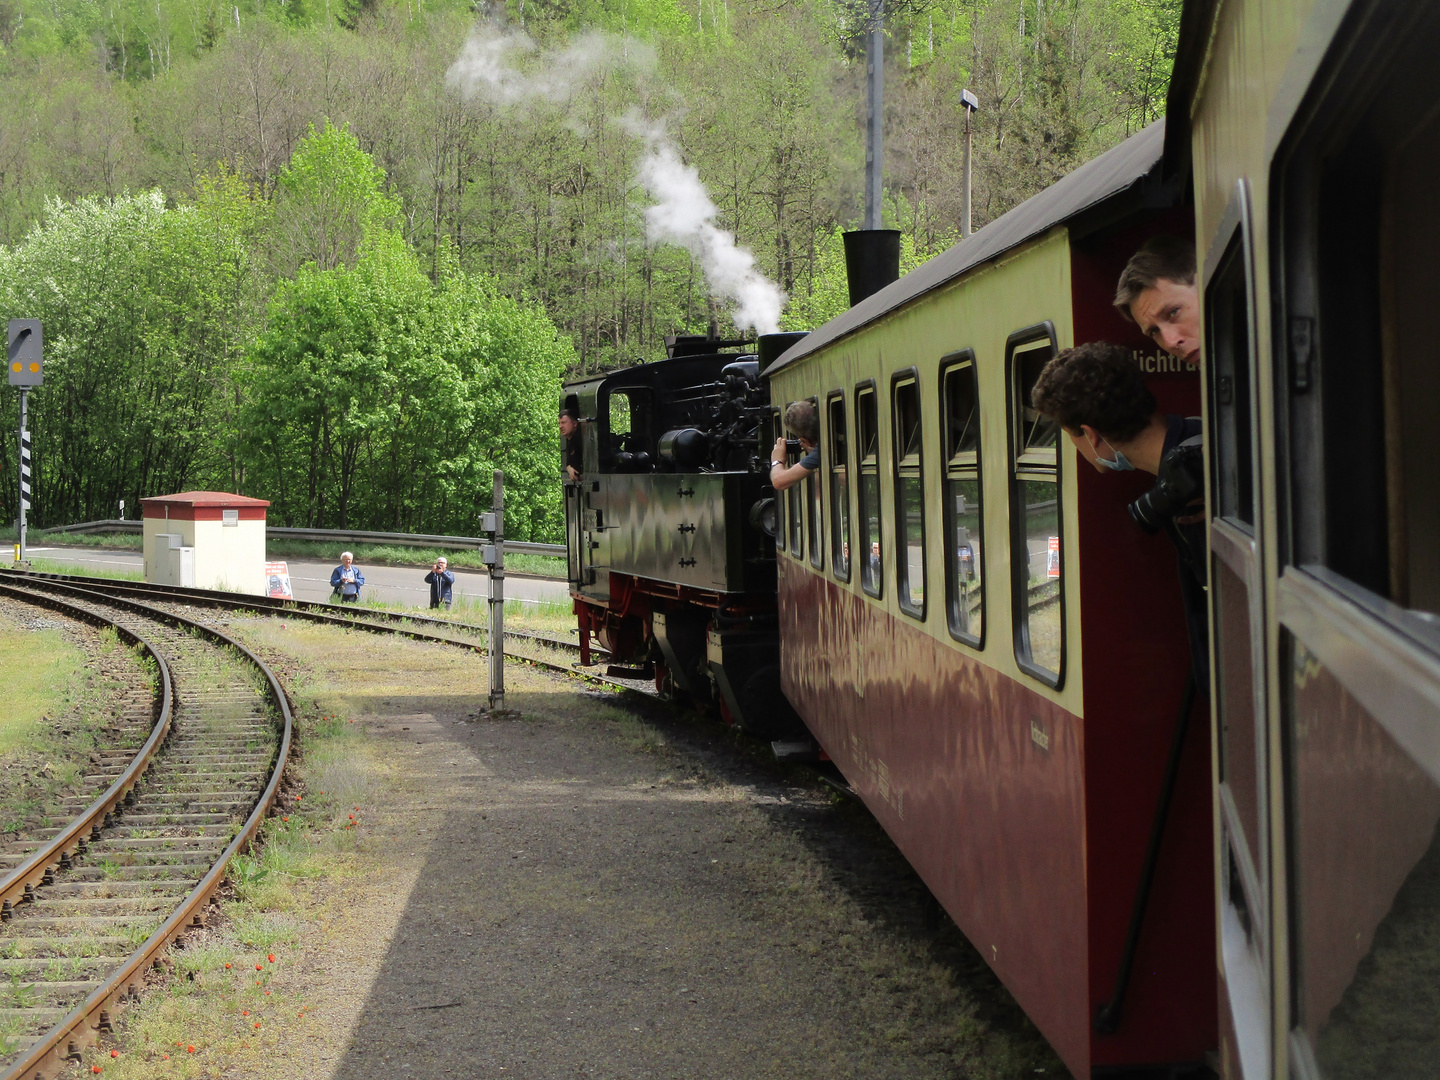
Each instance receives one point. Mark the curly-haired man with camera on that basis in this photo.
(1097, 394)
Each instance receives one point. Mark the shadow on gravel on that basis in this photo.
(600, 902)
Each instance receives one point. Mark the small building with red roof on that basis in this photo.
(206, 540)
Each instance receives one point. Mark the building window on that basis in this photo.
(964, 566)
(909, 493)
(1037, 565)
(868, 453)
(839, 488)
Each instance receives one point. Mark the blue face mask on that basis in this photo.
(1120, 464)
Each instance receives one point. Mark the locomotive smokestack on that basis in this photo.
(872, 261)
(768, 347)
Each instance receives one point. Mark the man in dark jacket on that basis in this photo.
(441, 581)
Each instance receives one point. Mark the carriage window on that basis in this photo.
(795, 500)
(777, 428)
(909, 497)
(816, 519)
(964, 573)
(868, 453)
(1364, 381)
(1036, 564)
(1227, 306)
(839, 489)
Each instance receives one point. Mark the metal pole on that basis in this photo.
(969, 102)
(497, 599)
(874, 114)
(24, 470)
(965, 223)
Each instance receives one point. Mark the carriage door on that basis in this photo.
(1358, 599)
(1238, 635)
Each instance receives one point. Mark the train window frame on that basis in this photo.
(1026, 463)
(840, 517)
(815, 496)
(1348, 600)
(777, 430)
(961, 466)
(871, 583)
(795, 498)
(906, 467)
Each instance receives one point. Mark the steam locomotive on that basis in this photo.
(671, 566)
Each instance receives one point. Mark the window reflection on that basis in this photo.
(1042, 600)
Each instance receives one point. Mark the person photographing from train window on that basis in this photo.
(1157, 293)
(803, 420)
(571, 456)
(1097, 394)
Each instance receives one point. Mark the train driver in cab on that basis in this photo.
(571, 456)
(1098, 395)
(803, 420)
(1157, 293)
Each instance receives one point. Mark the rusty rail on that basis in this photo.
(64, 1042)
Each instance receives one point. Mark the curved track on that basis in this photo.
(139, 865)
(376, 620)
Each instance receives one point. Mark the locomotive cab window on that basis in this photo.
(1037, 593)
(625, 412)
(867, 453)
(909, 494)
(839, 488)
(964, 568)
(1358, 375)
(815, 517)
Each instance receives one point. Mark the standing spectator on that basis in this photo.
(441, 581)
(346, 579)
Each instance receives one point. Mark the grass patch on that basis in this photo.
(40, 666)
(60, 566)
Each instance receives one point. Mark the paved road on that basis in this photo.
(311, 580)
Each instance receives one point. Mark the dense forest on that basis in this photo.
(339, 253)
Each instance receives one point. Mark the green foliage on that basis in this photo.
(361, 287)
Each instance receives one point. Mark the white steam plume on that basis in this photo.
(683, 212)
(486, 70)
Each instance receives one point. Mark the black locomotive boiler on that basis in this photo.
(669, 567)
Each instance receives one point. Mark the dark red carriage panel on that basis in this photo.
(1136, 655)
(976, 778)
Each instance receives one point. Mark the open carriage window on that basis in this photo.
(1037, 583)
(909, 494)
(867, 452)
(839, 466)
(815, 518)
(964, 569)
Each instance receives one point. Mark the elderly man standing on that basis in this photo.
(346, 579)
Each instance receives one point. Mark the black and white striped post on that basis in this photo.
(24, 473)
(25, 369)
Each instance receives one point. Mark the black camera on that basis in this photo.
(792, 445)
(1180, 482)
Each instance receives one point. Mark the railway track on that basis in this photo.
(90, 901)
(407, 624)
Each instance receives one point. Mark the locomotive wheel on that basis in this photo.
(765, 712)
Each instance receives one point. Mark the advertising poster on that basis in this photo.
(277, 576)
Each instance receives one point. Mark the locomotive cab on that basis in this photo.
(665, 569)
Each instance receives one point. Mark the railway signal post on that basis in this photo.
(493, 555)
(25, 369)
